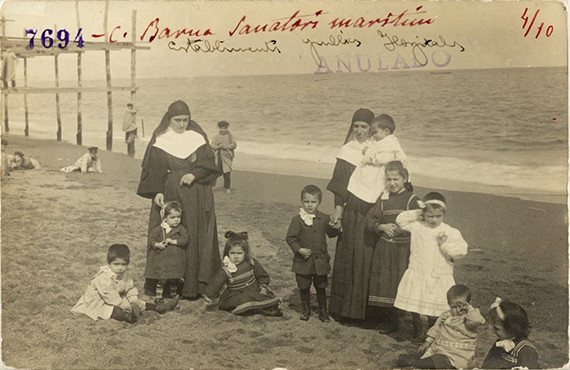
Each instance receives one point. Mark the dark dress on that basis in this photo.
(242, 293)
(162, 174)
(523, 355)
(353, 256)
(167, 263)
(391, 255)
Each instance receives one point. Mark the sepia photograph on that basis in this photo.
(280, 184)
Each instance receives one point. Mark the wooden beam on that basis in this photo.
(62, 90)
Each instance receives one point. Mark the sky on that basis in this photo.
(408, 36)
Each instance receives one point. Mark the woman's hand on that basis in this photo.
(187, 180)
(159, 199)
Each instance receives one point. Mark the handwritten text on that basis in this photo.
(417, 47)
(333, 41)
(205, 46)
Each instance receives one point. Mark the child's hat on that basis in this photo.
(223, 124)
(93, 149)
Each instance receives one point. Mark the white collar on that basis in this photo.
(307, 217)
(179, 145)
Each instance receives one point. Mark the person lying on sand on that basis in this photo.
(18, 161)
(111, 294)
(88, 162)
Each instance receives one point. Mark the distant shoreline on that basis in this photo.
(320, 170)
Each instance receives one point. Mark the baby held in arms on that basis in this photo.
(367, 181)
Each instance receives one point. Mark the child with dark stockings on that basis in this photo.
(311, 262)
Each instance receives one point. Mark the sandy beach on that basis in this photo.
(56, 228)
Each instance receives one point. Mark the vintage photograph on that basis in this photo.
(284, 184)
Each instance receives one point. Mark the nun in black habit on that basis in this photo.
(179, 165)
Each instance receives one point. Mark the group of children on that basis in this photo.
(425, 284)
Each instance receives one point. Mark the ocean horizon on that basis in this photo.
(499, 131)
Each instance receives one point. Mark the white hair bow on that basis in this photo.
(497, 306)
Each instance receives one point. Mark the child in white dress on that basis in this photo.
(434, 248)
(367, 181)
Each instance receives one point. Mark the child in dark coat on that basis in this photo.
(311, 263)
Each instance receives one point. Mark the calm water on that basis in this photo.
(505, 127)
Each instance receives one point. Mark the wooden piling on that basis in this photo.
(79, 135)
(131, 143)
(26, 117)
(108, 78)
(57, 106)
(6, 119)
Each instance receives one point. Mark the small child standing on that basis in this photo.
(88, 162)
(111, 294)
(165, 260)
(311, 262)
(512, 349)
(433, 249)
(224, 145)
(451, 342)
(367, 180)
(247, 281)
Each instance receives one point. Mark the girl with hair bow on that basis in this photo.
(512, 348)
(246, 281)
(434, 247)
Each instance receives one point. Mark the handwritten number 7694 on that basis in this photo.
(47, 39)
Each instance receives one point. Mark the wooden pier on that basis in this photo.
(20, 48)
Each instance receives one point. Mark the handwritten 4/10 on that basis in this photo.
(525, 18)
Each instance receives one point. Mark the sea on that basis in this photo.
(499, 131)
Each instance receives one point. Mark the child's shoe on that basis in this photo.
(306, 314)
(324, 314)
(404, 361)
(272, 311)
(163, 307)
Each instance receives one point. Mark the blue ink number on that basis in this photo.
(62, 36)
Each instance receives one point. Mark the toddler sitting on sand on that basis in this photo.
(111, 294)
(247, 281)
(451, 342)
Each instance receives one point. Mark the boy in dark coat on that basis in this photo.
(311, 263)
